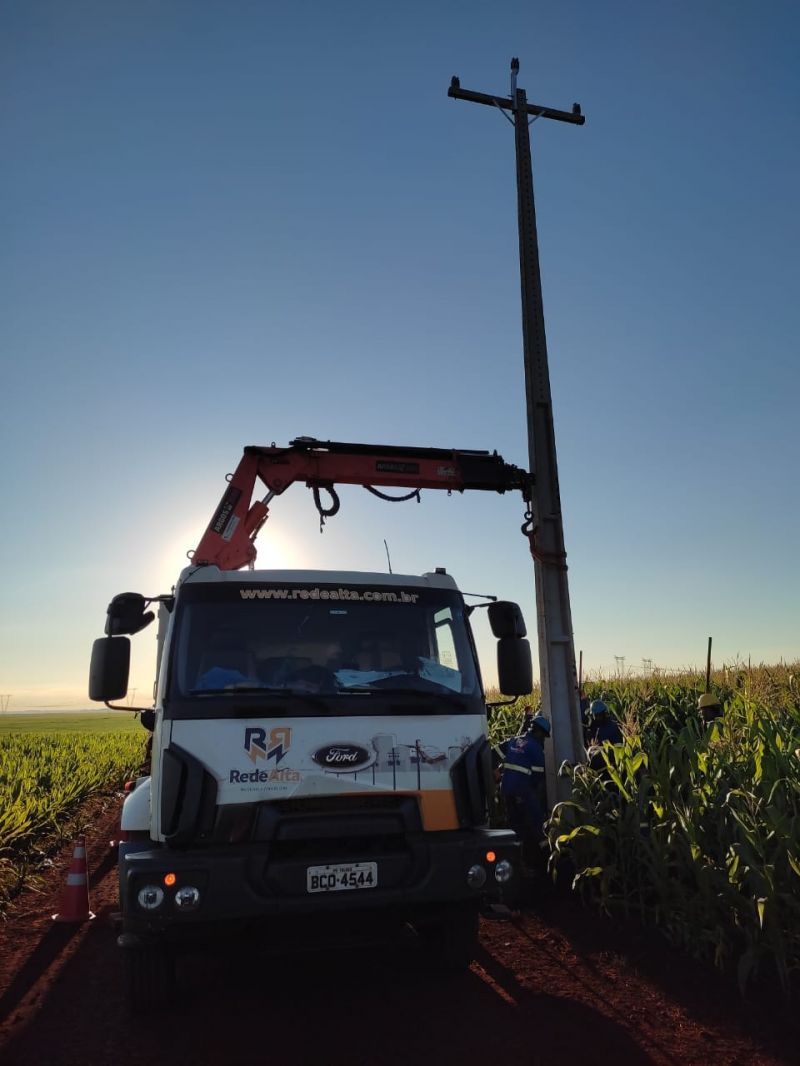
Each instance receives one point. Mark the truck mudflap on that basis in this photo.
(162, 888)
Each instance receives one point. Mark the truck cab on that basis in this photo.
(319, 746)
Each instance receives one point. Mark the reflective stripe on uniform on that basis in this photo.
(523, 769)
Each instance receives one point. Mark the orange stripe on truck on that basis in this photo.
(438, 809)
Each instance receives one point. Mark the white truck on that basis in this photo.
(319, 747)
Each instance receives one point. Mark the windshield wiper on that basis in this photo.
(416, 693)
(241, 686)
(263, 690)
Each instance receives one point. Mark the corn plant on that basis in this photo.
(695, 829)
(43, 779)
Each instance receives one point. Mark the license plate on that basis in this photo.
(342, 876)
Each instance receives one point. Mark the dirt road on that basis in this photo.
(556, 985)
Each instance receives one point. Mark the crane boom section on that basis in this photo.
(228, 541)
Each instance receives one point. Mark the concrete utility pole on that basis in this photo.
(558, 675)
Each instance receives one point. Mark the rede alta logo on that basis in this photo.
(258, 746)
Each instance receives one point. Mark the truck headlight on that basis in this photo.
(476, 876)
(503, 872)
(187, 898)
(150, 897)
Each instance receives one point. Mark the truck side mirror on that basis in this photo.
(514, 666)
(126, 614)
(108, 673)
(506, 619)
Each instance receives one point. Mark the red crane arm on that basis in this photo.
(228, 542)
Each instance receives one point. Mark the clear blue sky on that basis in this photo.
(230, 224)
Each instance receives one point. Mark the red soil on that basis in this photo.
(556, 984)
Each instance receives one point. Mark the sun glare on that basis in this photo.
(276, 551)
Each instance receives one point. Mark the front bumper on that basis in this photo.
(251, 881)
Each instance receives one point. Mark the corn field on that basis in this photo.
(43, 779)
(693, 828)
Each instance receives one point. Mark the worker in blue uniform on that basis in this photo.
(522, 785)
(602, 729)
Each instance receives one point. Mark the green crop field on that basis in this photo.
(694, 829)
(69, 722)
(49, 765)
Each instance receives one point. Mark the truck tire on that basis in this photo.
(151, 977)
(451, 942)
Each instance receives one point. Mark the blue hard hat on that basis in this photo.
(598, 707)
(543, 724)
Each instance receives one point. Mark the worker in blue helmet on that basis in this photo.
(522, 784)
(602, 729)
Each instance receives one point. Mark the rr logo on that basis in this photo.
(258, 747)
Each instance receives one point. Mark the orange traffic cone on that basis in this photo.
(74, 903)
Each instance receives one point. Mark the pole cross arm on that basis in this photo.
(506, 104)
(228, 542)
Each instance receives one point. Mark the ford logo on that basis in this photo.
(346, 758)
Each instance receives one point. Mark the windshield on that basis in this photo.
(321, 642)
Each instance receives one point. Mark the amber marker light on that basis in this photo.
(490, 856)
(169, 880)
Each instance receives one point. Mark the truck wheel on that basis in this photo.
(151, 977)
(451, 942)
